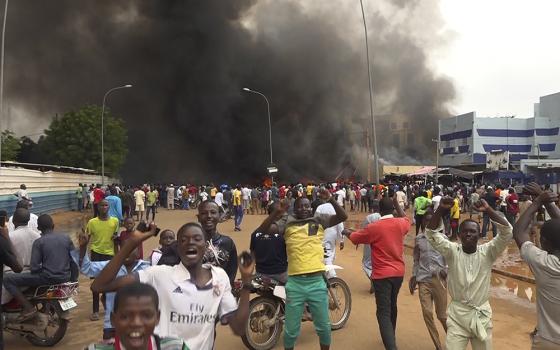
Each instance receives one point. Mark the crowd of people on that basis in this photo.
(188, 279)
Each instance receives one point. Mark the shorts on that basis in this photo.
(140, 207)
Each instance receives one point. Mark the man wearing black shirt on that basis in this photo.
(269, 249)
(221, 249)
(8, 258)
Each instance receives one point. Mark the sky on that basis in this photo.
(502, 55)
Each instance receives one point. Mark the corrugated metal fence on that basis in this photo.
(50, 191)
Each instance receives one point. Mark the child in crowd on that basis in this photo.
(166, 238)
(135, 316)
(90, 268)
(125, 233)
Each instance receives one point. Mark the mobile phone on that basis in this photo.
(143, 227)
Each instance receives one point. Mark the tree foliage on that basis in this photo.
(10, 145)
(75, 140)
(30, 151)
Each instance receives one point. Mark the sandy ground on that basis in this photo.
(514, 314)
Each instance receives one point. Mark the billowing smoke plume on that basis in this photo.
(187, 116)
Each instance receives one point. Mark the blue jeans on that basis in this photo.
(14, 281)
(80, 204)
(185, 204)
(238, 212)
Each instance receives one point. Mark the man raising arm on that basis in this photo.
(193, 295)
(470, 268)
(544, 263)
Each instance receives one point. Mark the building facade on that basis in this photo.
(466, 140)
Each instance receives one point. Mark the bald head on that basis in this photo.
(21, 217)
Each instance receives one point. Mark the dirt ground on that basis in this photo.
(514, 313)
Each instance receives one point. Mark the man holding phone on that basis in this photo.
(7, 258)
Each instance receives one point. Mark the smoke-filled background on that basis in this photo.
(187, 116)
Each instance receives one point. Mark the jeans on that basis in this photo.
(185, 204)
(14, 281)
(238, 212)
(419, 219)
(151, 208)
(94, 256)
(313, 291)
(485, 223)
(80, 204)
(386, 292)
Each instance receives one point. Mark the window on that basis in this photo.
(393, 126)
(396, 140)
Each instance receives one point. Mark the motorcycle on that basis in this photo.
(225, 213)
(266, 311)
(48, 327)
(194, 203)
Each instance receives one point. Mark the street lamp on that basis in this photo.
(269, 127)
(374, 135)
(103, 129)
(2, 77)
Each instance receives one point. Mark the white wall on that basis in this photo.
(38, 181)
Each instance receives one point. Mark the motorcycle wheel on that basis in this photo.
(339, 315)
(257, 337)
(193, 204)
(56, 323)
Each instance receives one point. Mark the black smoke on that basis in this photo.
(188, 119)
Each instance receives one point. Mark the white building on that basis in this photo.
(465, 140)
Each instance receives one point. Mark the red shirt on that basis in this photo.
(386, 238)
(124, 235)
(512, 203)
(98, 195)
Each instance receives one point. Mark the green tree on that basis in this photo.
(10, 145)
(75, 140)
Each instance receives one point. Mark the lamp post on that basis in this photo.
(2, 77)
(269, 123)
(374, 135)
(103, 129)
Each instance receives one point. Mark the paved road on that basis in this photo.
(514, 316)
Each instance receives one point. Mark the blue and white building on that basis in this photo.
(466, 139)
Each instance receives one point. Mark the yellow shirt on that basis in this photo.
(304, 245)
(309, 190)
(236, 197)
(102, 233)
(429, 194)
(455, 211)
(213, 192)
